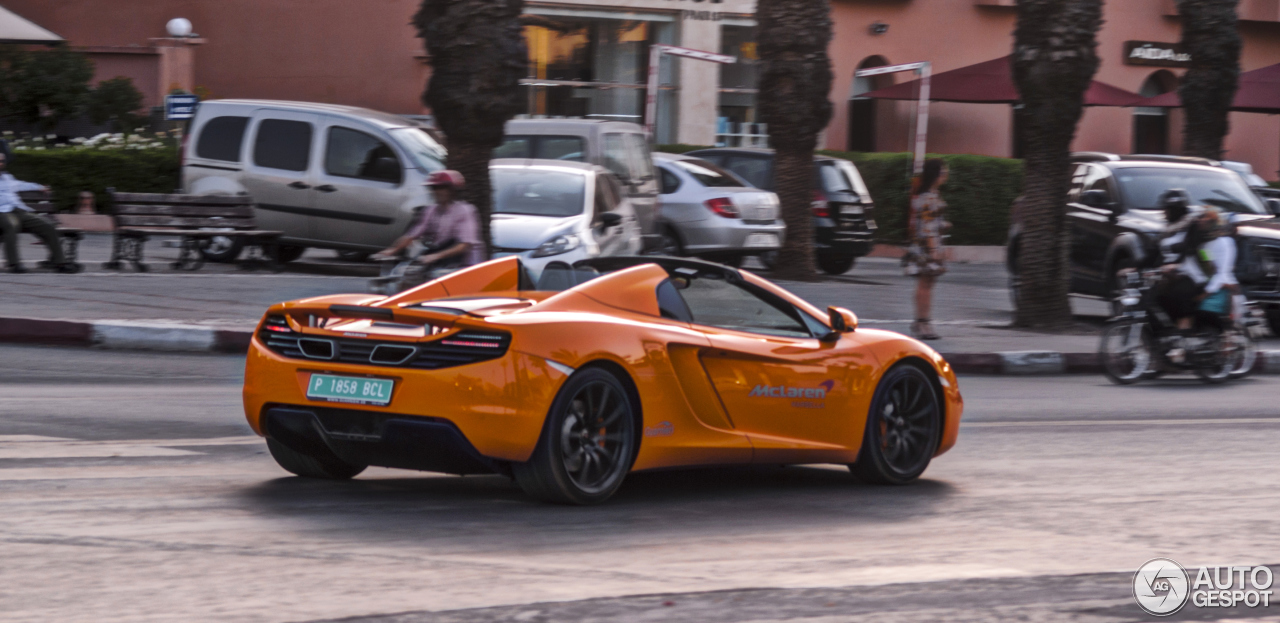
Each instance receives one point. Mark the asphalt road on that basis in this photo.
(130, 490)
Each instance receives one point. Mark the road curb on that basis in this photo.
(176, 337)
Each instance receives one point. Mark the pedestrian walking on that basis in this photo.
(16, 217)
(925, 227)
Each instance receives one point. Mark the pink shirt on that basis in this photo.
(457, 221)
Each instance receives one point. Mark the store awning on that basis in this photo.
(16, 29)
(991, 82)
(1259, 91)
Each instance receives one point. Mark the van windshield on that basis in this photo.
(569, 148)
(538, 192)
(425, 152)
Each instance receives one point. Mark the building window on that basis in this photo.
(1151, 124)
(738, 86)
(585, 65)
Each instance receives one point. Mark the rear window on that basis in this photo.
(709, 174)
(757, 171)
(569, 148)
(537, 192)
(221, 138)
(283, 144)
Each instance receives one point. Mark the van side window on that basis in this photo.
(617, 157)
(283, 144)
(221, 138)
(641, 159)
(355, 154)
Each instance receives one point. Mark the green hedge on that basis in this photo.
(69, 170)
(979, 193)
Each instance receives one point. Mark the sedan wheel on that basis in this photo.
(669, 244)
(834, 263)
(588, 443)
(903, 429)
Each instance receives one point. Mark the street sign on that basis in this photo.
(180, 106)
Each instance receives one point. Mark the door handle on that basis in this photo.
(299, 185)
(326, 188)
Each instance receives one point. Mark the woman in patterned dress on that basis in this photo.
(925, 227)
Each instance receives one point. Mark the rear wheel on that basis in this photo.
(327, 467)
(1125, 351)
(903, 428)
(768, 259)
(835, 263)
(222, 249)
(588, 443)
(1220, 367)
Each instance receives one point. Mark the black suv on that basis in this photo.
(1116, 222)
(842, 225)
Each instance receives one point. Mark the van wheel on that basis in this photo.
(223, 249)
(286, 253)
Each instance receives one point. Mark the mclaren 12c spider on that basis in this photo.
(599, 369)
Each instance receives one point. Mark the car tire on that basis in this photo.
(669, 244)
(897, 449)
(835, 263)
(286, 253)
(768, 259)
(223, 249)
(329, 467)
(574, 463)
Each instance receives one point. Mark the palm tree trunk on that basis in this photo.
(1055, 57)
(795, 82)
(1210, 35)
(478, 56)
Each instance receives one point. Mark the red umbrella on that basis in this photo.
(991, 82)
(1259, 91)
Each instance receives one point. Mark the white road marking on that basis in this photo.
(1120, 422)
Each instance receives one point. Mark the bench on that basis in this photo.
(193, 218)
(41, 202)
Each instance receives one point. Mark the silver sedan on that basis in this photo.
(710, 212)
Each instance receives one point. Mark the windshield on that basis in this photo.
(537, 192)
(425, 152)
(546, 147)
(1142, 188)
(709, 174)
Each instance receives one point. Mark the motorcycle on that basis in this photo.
(1143, 342)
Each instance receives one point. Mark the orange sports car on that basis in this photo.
(605, 367)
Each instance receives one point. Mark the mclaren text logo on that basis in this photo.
(782, 391)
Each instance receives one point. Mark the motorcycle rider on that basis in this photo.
(1178, 291)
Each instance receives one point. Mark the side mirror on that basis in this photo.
(1273, 205)
(610, 219)
(842, 321)
(1095, 198)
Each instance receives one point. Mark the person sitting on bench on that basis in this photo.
(16, 217)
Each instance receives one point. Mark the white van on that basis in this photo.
(336, 177)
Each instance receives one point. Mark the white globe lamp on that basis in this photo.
(179, 27)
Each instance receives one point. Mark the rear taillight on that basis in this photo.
(277, 324)
(819, 205)
(722, 206)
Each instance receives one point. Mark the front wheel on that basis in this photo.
(1125, 351)
(1223, 363)
(903, 429)
(588, 442)
(835, 263)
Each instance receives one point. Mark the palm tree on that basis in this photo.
(795, 81)
(1054, 59)
(478, 56)
(1210, 36)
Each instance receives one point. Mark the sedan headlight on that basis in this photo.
(557, 245)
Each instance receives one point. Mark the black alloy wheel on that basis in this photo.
(588, 442)
(904, 427)
(835, 263)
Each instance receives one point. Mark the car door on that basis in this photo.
(781, 385)
(360, 189)
(1092, 230)
(279, 174)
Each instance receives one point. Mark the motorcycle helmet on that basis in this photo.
(1175, 203)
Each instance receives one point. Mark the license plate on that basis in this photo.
(851, 210)
(761, 241)
(352, 389)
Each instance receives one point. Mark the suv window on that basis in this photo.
(757, 171)
(616, 156)
(1077, 182)
(283, 144)
(832, 180)
(350, 153)
(718, 303)
(1142, 187)
(221, 138)
(569, 148)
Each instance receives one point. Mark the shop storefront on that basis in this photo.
(592, 60)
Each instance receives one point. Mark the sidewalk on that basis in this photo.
(217, 307)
